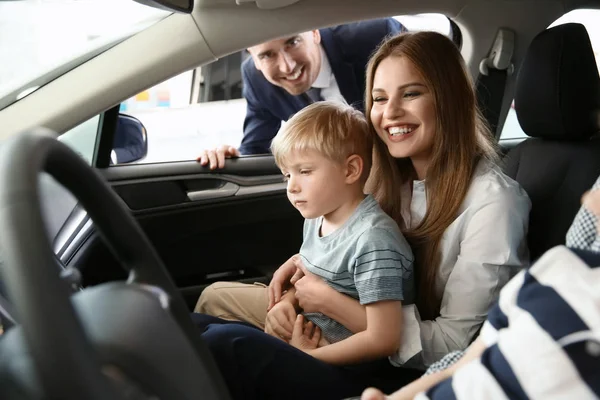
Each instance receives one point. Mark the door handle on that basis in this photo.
(227, 190)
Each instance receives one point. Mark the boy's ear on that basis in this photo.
(354, 168)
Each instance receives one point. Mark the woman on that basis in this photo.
(434, 173)
(519, 336)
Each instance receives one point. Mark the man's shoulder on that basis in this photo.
(358, 34)
(252, 76)
(372, 27)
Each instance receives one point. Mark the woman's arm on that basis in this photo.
(347, 311)
(380, 339)
(492, 247)
(313, 294)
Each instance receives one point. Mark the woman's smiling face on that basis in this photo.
(403, 112)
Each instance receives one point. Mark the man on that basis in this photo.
(283, 76)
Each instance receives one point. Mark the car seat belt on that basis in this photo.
(493, 71)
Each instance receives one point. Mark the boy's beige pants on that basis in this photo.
(235, 301)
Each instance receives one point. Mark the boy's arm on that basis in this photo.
(380, 339)
(379, 273)
(318, 296)
(345, 310)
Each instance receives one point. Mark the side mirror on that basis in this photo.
(130, 142)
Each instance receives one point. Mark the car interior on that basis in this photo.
(120, 236)
(556, 102)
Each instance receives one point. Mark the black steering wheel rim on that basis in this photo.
(66, 363)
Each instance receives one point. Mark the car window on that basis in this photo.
(198, 109)
(589, 18)
(42, 39)
(83, 138)
(204, 108)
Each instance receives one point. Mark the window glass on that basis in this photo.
(82, 138)
(198, 109)
(426, 22)
(42, 39)
(204, 108)
(589, 19)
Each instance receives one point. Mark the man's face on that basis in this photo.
(292, 63)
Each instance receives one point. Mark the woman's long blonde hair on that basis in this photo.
(462, 139)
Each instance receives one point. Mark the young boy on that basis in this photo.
(324, 152)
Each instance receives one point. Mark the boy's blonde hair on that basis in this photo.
(335, 130)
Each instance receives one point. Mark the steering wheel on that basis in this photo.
(118, 340)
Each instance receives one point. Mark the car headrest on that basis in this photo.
(558, 88)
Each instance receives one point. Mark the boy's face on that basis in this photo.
(315, 184)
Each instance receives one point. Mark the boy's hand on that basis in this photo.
(311, 291)
(280, 321)
(297, 276)
(300, 268)
(305, 337)
(281, 280)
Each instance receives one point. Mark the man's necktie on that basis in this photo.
(313, 95)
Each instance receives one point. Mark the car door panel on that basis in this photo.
(234, 224)
(189, 191)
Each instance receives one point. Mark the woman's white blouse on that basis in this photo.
(481, 251)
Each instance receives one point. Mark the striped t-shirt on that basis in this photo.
(542, 338)
(368, 259)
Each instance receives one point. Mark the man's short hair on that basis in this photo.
(333, 129)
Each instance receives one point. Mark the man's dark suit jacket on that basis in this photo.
(348, 48)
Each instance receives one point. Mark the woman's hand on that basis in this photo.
(311, 291)
(426, 382)
(376, 394)
(280, 320)
(305, 336)
(373, 394)
(281, 280)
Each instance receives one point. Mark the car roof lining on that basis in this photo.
(189, 41)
